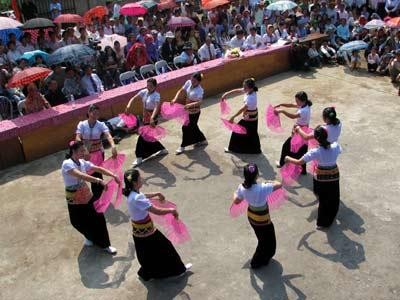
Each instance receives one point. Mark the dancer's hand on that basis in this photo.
(114, 152)
(287, 159)
(127, 109)
(232, 119)
(296, 128)
(116, 178)
(276, 106)
(174, 212)
(152, 123)
(161, 197)
(278, 111)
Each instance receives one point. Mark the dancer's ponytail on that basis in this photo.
(130, 176)
(250, 173)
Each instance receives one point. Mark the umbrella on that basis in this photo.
(211, 4)
(7, 26)
(31, 56)
(176, 22)
(133, 9)
(109, 40)
(374, 24)
(37, 23)
(7, 23)
(354, 45)
(166, 4)
(394, 22)
(148, 3)
(95, 12)
(28, 76)
(75, 54)
(282, 5)
(68, 18)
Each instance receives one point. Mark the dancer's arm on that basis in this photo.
(128, 107)
(288, 114)
(160, 196)
(305, 136)
(231, 92)
(154, 114)
(241, 111)
(294, 160)
(106, 172)
(236, 199)
(288, 105)
(163, 211)
(78, 174)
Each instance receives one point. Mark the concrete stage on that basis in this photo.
(358, 258)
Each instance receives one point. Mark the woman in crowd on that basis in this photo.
(109, 65)
(90, 132)
(258, 213)
(191, 94)
(302, 117)
(34, 100)
(373, 60)
(156, 255)
(250, 142)
(151, 108)
(137, 57)
(82, 214)
(326, 178)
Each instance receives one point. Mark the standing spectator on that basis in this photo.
(120, 55)
(116, 10)
(29, 10)
(168, 49)
(55, 9)
(392, 6)
(207, 51)
(373, 60)
(35, 101)
(90, 82)
(54, 95)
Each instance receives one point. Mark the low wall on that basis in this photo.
(36, 135)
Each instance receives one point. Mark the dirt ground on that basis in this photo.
(42, 256)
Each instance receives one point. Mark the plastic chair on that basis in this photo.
(162, 67)
(21, 107)
(6, 108)
(177, 62)
(128, 77)
(147, 70)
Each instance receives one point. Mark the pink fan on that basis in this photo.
(129, 120)
(152, 134)
(239, 129)
(176, 230)
(273, 120)
(290, 173)
(224, 107)
(96, 158)
(104, 201)
(276, 199)
(312, 143)
(238, 209)
(115, 165)
(297, 141)
(157, 218)
(175, 111)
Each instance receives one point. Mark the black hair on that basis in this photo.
(250, 173)
(93, 107)
(239, 31)
(329, 113)
(251, 84)
(198, 76)
(153, 81)
(321, 135)
(302, 96)
(130, 176)
(73, 146)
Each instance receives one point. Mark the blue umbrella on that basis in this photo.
(354, 45)
(74, 54)
(282, 5)
(5, 32)
(31, 56)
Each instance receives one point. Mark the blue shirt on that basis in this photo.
(343, 31)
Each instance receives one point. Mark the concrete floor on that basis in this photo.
(42, 255)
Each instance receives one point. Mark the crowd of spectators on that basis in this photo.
(243, 25)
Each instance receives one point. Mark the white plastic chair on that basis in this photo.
(128, 77)
(162, 67)
(146, 69)
(21, 107)
(177, 62)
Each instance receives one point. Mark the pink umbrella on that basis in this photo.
(176, 22)
(7, 23)
(133, 9)
(68, 18)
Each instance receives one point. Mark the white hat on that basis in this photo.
(170, 35)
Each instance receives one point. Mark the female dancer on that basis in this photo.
(82, 214)
(90, 132)
(250, 142)
(151, 109)
(157, 256)
(303, 116)
(326, 178)
(258, 213)
(332, 125)
(192, 92)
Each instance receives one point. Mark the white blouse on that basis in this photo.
(193, 94)
(138, 206)
(89, 133)
(150, 101)
(333, 132)
(250, 100)
(256, 195)
(69, 165)
(324, 157)
(305, 116)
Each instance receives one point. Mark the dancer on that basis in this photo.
(156, 255)
(82, 214)
(326, 178)
(258, 213)
(151, 109)
(303, 116)
(332, 125)
(90, 132)
(192, 94)
(250, 142)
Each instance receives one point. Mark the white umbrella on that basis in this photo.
(374, 24)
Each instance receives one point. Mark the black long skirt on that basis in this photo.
(157, 257)
(286, 152)
(191, 134)
(266, 246)
(90, 223)
(248, 143)
(146, 149)
(328, 194)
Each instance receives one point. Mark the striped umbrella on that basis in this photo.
(374, 24)
(28, 76)
(68, 18)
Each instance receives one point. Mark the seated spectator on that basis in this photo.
(343, 32)
(137, 57)
(41, 42)
(108, 27)
(90, 82)
(238, 40)
(141, 35)
(53, 43)
(131, 41)
(13, 54)
(120, 55)
(384, 62)
(207, 51)
(72, 84)
(281, 32)
(392, 6)
(253, 40)
(169, 49)
(119, 27)
(355, 60)
(187, 57)
(22, 64)
(109, 68)
(179, 42)
(83, 36)
(34, 101)
(54, 95)
(194, 39)
(39, 62)
(373, 60)
(58, 75)
(151, 49)
(270, 37)
(4, 61)
(328, 53)
(314, 58)
(26, 45)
